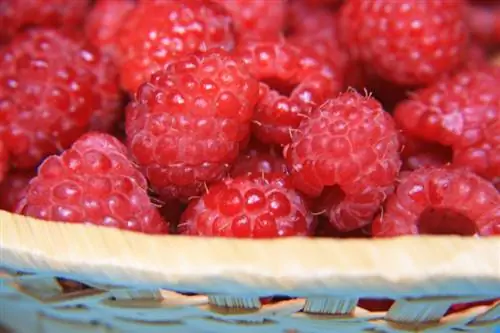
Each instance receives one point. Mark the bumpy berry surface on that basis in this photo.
(53, 86)
(439, 201)
(462, 112)
(346, 153)
(292, 82)
(190, 121)
(410, 41)
(104, 21)
(93, 182)
(256, 206)
(14, 188)
(259, 158)
(257, 18)
(156, 33)
(18, 14)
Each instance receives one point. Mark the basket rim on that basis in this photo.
(405, 266)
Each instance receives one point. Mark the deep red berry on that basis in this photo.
(14, 189)
(409, 42)
(490, 221)
(326, 230)
(189, 122)
(256, 18)
(438, 201)
(259, 158)
(292, 82)
(18, 14)
(158, 32)
(347, 154)
(4, 161)
(255, 206)
(104, 21)
(484, 23)
(462, 112)
(93, 182)
(53, 87)
(417, 153)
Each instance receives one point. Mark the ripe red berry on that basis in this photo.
(259, 158)
(18, 14)
(439, 201)
(484, 22)
(189, 122)
(461, 112)
(292, 82)
(409, 42)
(53, 87)
(93, 182)
(14, 189)
(158, 32)
(347, 154)
(256, 18)
(254, 206)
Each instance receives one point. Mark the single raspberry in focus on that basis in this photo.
(461, 112)
(254, 206)
(156, 33)
(190, 121)
(259, 158)
(439, 200)
(53, 87)
(417, 153)
(256, 18)
(14, 189)
(410, 42)
(18, 14)
(346, 154)
(104, 21)
(93, 182)
(292, 82)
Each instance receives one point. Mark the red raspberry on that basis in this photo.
(408, 42)
(347, 152)
(438, 201)
(158, 32)
(484, 23)
(93, 182)
(14, 188)
(417, 153)
(323, 2)
(257, 18)
(18, 14)
(259, 158)
(292, 82)
(53, 86)
(189, 122)
(104, 21)
(254, 206)
(4, 161)
(462, 112)
(487, 219)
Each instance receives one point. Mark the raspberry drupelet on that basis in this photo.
(158, 32)
(54, 86)
(190, 121)
(292, 82)
(440, 200)
(250, 206)
(346, 154)
(93, 182)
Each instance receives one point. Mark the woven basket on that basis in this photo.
(168, 284)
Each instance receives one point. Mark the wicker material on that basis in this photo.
(424, 275)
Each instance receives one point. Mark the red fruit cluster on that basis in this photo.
(253, 118)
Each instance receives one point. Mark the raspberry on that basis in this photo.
(4, 161)
(104, 22)
(484, 23)
(410, 42)
(257, 18)
(417, 153)
(93, 182)
(14, 188)
(259, 158)
(462, 112)
(53, 86)
(156, 33)
(292, 82)
(18, 14)
(189, 122)
(254, 206)
(346, 154)
(439, 201)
